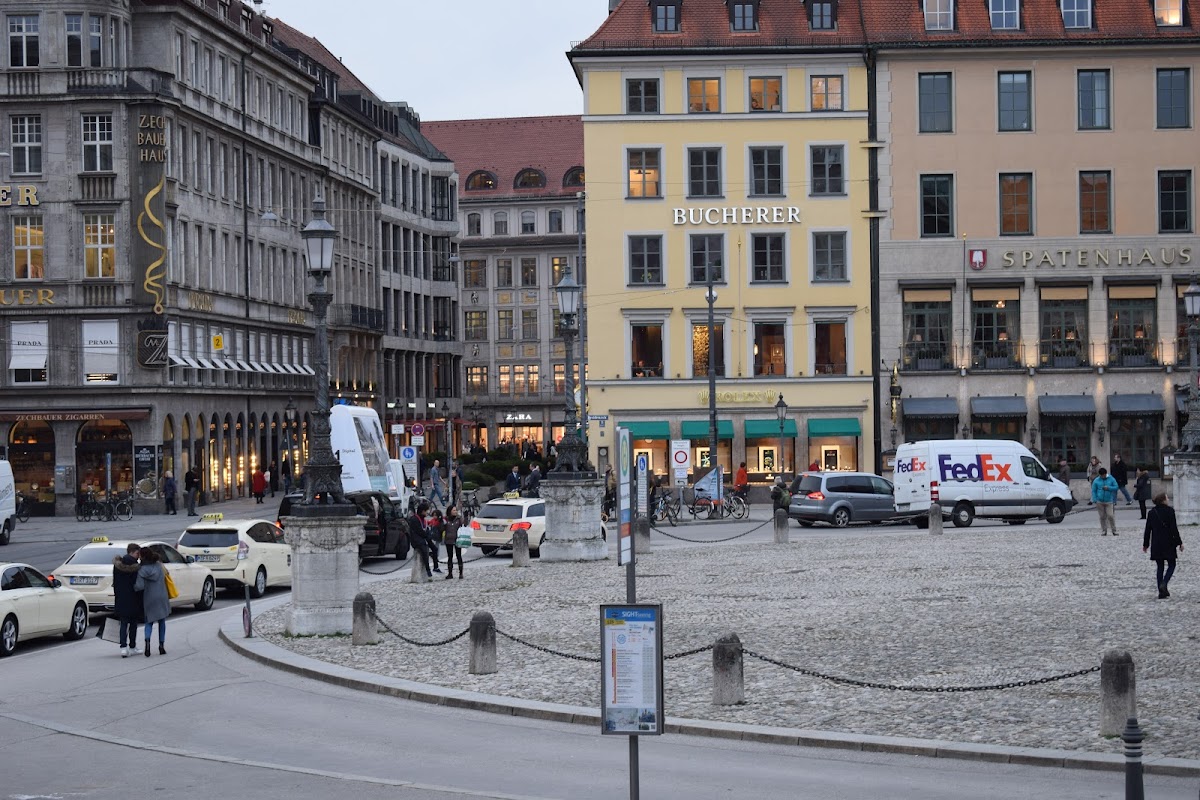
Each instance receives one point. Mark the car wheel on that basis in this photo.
(488, 549)
(79, 621)
(1055, 512)
(5, 534)
(803, 523)
(841, 517)
(207, 595)
(8, 636)
(963, 515)
(260, 583)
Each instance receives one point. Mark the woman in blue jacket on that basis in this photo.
(152, 583)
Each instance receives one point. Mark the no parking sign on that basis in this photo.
(680, 458)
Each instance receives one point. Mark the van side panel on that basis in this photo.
(357, 439)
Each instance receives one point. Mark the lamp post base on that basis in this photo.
(324, 569)
(1186, 470)
(573, 528)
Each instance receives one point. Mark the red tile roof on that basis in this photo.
(504, 147)
(312, 47)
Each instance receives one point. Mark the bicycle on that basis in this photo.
(23, 504)
(470, 505)
(122, 507)
(666, 508)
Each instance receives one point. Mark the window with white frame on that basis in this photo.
(829, 256)
(23, 49)
(1006, 14)
(554, 221)
(101, 351)
(26, 144)
(29, 248)
(827, 165)
(939, 15)
(768, 260)
(99, 245)
(1168, 13)
(707, 257)
(766, 171)
(645, 261)
(28, 351)
(500, 223)
(1077, 13)
(74, 29)
(97, 143)
(825, 93)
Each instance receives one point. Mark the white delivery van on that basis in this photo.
(403, 490)
(358, 443)
(8, 502)
(994, 478)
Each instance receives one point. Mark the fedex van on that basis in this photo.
(995, 478)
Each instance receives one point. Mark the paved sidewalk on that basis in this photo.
(976, 606)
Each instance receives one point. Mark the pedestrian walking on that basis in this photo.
(1104, 494)
(417, 537)
(1064, 474)
(450, 539)
(258, 484)
(1093, 469)
(191, 486)
(437, 485)
(170, 488)
(156, 603)
(1161, 538)
(1120, 473)
(272, 474)
(533, 482)
(127, 603)
(1142, 490)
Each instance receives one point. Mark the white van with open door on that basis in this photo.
(358, 444)
(994, 478)
(8, 502)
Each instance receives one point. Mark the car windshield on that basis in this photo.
(808, 483)
(500, 511)
(209, 537)
(95, 555)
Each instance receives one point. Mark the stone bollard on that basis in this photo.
(365, 621)
(935, 519)
(729, 686)
(781, 526)
(520, 541)
(641, 535)
(1118, 692)
(419, 573)
(1132, 736)
(483, 644)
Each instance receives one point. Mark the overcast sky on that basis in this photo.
(455, 59)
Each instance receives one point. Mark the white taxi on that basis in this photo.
(497, 520)
(89, 570)
(240, 552)
(33, 605)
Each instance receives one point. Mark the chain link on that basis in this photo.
(572, 656)
(931, 689)
(686, 653)
(715, 541)
(415, 643)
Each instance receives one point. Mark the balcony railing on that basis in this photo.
(997, 355)
(926, 356)
(353, 316)
(25, 83)
(1062, 354)
(1133, 353)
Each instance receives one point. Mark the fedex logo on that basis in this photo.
(983, 468)
(913, 464)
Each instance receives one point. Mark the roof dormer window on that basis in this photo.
(743, 15)
(530, 178)
(822, 16)
(939, 15)
(666, 15)
(1168, 13)
(1006, 14)
(480, 180)
(1077, 13)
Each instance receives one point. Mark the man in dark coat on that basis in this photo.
(1120, 473)
(1161, 538)
(191, 488)
(127, 601)
(417, 536)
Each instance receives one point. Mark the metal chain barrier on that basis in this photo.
(538, 647)
(931, 689)
(403, 564)
(414, 642)
(716, 541)
(686, 653)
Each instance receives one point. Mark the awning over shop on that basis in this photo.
(243, 366)
(648, 430)
(769, 428)
(845, 426)
(307, 370)
(1135, 405)
(185, 361)
(998, 407)
(1067, 405)
(697, 429)
(930, 407)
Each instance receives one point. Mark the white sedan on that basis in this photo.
(90, 571)
(33, 605)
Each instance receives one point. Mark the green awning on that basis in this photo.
(697, 429)
(845, 426)
(648, 430)
(765, 428)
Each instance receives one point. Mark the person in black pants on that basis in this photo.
(1161, 538)
(450, 539)
(1120, 473)
(417, 537)
(1141, 489)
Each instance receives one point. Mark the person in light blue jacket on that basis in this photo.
(1104, 494)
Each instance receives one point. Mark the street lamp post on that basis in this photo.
(781, 410)
(711, 297)
(449, 451)
(289, 414)
(572, 453)
(1189, 437)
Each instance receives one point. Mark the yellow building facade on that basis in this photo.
(753, 165)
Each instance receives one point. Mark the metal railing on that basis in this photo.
(926, 356)
(997, 355)
(1062, 354)
(1133, 353)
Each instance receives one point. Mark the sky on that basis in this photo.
(455, 59)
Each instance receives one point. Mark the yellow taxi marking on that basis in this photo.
(99, 539)
(214, 516)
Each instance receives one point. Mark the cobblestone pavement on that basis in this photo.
(974, 606)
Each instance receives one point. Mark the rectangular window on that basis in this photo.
(927, 333)
(504, 325)
(1095, 202)
(1013, 93)
(74, 28)
(1077, 13)
(528, 223)
(23, 41)
(829, 256)
(825, 93)
(529, 273)
(99, 245)
(475, 273)
(95, 41)
(533, 371)
(996, 328)
(829, 343)
(766, 171)
(770, 353)
(98, 143)
(743, 17)
(1016, 204)
(1172, 90)
(504, 273)
(645, 260)
(646, 349)
(1175, 201)
(644, 173)
(505, 379)
(29, 248)
(1006, 14)
(558, 265)
(101, 351)
(666, 18)
(474, 224)
(939, 15)
(529, 324)
(827, 175)
(766, 94)
(554, 221)
(1167, 14)
(704, 172)
(1064, 330)
(500, 223)
(937, 205)
(820, 16)
(1137, 439)
(935, 102)
(477, 380)
(27, 145)
(1094, 99)
(704, 95)
(700, 345)
(641, 96)
(767, 254)
(708, 254)
(1133, 327)
(29, 348)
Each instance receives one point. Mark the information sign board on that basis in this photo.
(680, 460)
(631, 669)
(419, 441)
(408, 461)
(624, 506)
(643, 485)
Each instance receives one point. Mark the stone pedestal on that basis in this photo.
(573, 531)
(324, 571)
(1186, 469)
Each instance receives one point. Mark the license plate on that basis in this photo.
(208, 558)
(494, 527)
(85, 580)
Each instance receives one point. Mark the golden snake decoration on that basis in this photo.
(155, 273)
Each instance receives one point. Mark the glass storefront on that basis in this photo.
(104, 456)
(31, 453)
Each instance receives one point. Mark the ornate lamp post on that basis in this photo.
(572, 453)
(1189, 437)
(289, 414)
(449, 451)
(781, 409)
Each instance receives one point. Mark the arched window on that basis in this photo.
(574, 177)
(528, 222)
(500, 223)
(480, 180)
(530, 179)
(474, 224)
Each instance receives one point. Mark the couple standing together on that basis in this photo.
(140, 596)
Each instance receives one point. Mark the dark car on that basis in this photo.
(386, 530)
(841, 498)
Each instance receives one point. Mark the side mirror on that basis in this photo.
(190, 559)
(56, 583)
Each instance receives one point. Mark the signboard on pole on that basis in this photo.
(419, 441)
(624, 506)
(408, 462)
(680, 458)
(710, 485)
(643, 485)
(631, 669)
(417, 429)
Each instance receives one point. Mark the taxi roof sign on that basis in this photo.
(213, 516)
(99, 539)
